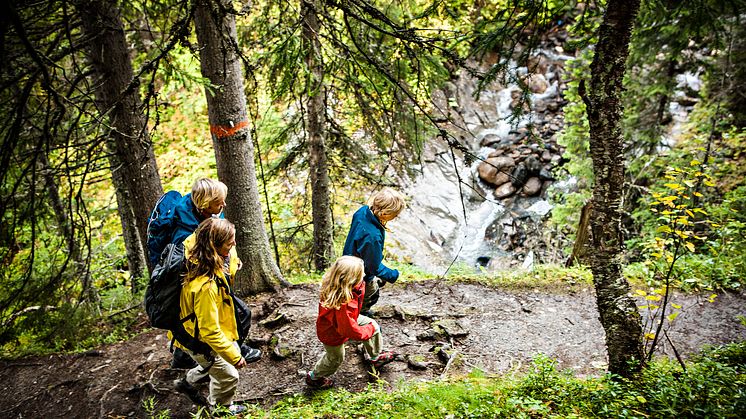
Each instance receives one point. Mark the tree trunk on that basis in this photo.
(617, 309)
(136, 179)
(323, 234)
(234, 152)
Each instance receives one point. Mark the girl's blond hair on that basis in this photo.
(339, 280)
(204, 258)
(386, 202)
(205, 191)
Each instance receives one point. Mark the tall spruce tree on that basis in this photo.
(220, 62)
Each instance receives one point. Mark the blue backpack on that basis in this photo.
(161, 225)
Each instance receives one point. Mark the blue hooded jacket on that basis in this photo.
(186, 219)
(365, 240)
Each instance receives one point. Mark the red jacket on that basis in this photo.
(336, 326)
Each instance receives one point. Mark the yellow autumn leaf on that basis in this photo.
(694, 162)
(663, 229)
(690, 246)
(676, 306)
(649, 336)
(653, 297)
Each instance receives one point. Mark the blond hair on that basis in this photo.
(205, 191)
(204, 258)
(386, 203)
(339, 280)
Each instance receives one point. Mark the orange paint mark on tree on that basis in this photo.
(225, 131)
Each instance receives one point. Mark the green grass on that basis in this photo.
(713, 385)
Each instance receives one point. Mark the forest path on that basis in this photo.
(494, 330)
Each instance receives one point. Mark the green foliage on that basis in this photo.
(575, 140)
(150, 407)
(712, 386)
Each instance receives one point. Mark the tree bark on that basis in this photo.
(618, 312)
(135, 173)
(323, 233)
(231, 137)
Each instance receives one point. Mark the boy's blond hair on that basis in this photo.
(205, 191)
(387, 203)
(339, 280)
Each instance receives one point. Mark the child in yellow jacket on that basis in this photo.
(205, 298)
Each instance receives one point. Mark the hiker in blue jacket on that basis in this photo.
(365, 240)
(206, 200)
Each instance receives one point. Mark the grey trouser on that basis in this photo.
(335, 355)
(372, 292)
(223, 377)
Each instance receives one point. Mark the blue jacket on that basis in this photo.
(365, 240)
(186, 219)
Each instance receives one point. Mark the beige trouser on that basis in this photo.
(335, 355)
(223, 378)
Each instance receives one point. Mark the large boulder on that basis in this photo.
(492, 166)
(504, 191)
(532, 187)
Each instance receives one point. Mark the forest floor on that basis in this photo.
(497, 331)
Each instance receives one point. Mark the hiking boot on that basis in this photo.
(182, 360)
(183, 386)
(382, 359)
(250, 354)
(320, 383)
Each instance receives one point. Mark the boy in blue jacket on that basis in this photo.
(365, 240)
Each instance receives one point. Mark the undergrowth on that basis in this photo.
(712, 385)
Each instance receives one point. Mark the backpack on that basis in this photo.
(161, 225)
(162, 299)
(163, 302)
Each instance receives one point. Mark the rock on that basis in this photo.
(489, 140)
(546, 155)
(532, 187)
(428, 334)
(417, 362)
(497, 153)
(450, 328)
(545, 174)
(444, 351)
(504, 191)
(489, 168)
(519, 176)
(538, 64)
(536, 83)
(532, 165)
(281, 350)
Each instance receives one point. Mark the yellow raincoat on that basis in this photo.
(213, 307)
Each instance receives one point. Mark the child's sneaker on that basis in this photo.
(321, 382)
(382, 359)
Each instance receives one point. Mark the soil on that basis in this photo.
(444, 329)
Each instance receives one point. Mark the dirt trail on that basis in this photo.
(491, 329)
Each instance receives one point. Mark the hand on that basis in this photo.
(241, 363)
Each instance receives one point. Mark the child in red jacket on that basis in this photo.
(342, 292)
